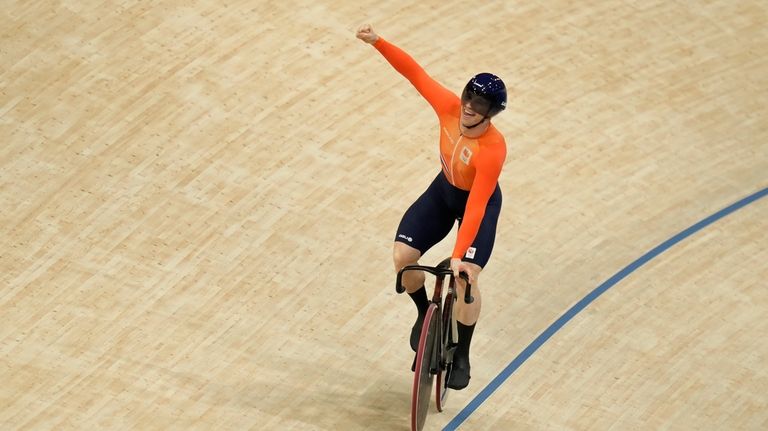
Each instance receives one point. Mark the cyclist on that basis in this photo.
(472, 153)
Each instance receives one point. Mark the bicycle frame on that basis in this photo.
(439, 271)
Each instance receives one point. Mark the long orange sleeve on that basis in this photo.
(488, 166)
(441, 99)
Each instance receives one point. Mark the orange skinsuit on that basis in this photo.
(472, 164)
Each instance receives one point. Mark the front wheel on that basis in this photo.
(425, 362)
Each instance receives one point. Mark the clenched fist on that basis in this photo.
(366, 34)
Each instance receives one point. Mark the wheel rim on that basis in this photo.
(422, 379)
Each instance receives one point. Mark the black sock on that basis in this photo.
(420, 299)
(465, 338)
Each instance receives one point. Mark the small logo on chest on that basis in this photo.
(466, 155)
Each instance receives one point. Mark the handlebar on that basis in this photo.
(438, 271)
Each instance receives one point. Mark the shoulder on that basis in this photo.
(447, 103)
(493, 143)
(450, 108)
(492, 153)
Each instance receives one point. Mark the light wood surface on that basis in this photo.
(198, 199)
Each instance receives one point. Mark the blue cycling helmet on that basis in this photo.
(486, 94)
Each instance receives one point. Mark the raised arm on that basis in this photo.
(438, 96)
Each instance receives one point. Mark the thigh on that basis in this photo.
(427, 221)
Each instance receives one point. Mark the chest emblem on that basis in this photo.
(466, 155)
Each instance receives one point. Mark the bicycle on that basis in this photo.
(438, 341)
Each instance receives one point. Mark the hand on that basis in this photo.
(457, 266)
(366, 34)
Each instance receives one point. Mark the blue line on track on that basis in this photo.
(581, 305)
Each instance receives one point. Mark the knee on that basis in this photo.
(403, 255)
(474, 273)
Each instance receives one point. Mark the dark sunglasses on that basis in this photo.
(478, 103)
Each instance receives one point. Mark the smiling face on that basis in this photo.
(469, 116)
(474, 108)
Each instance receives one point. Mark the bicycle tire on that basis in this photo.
(423, 376)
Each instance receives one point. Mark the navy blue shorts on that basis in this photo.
(433, 214)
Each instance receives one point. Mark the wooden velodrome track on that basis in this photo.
(198, 199)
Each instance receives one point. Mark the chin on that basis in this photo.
(472, 122)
